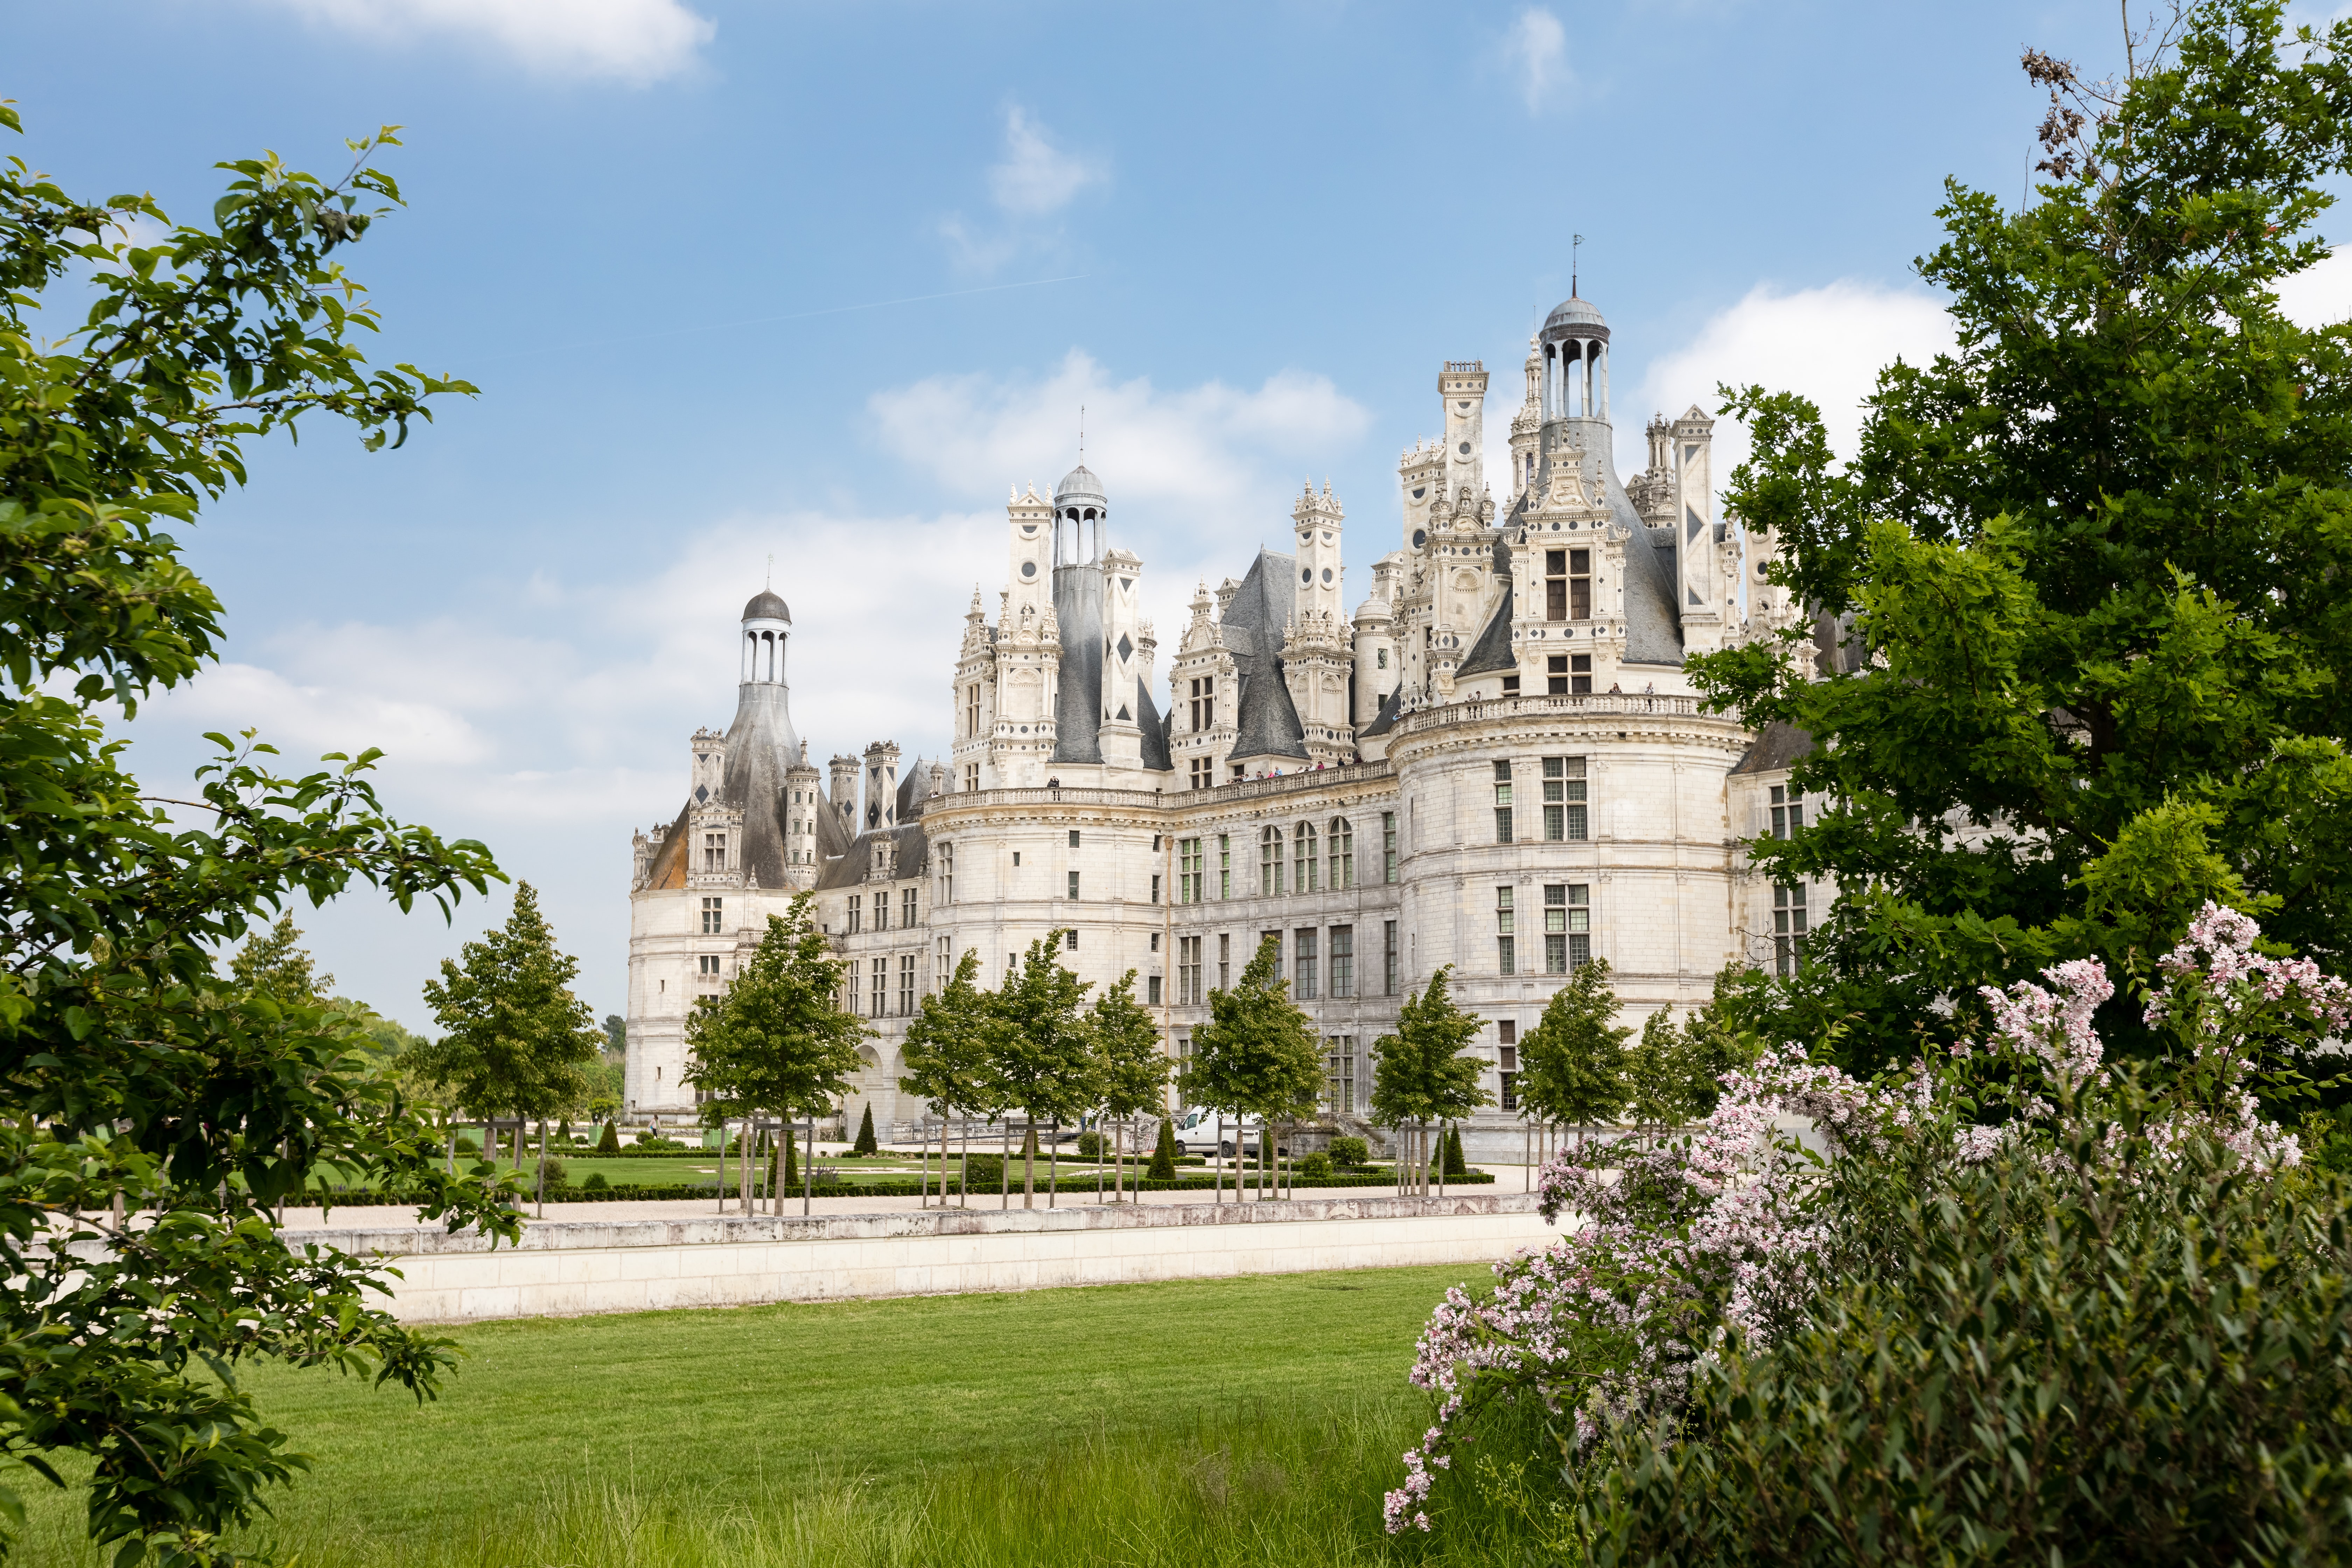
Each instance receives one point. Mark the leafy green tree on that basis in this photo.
(274, 964)
(950, 1051)
(865, 1142)
(617, 1035)
(1422, 1077)
(517, 1041)
(1045, 1048)
(2096, 667)
(777, 1040)
(1572, 1063)
(1656, 1078)
(135, 1078)
(1257, 1056)
(1131, 1071)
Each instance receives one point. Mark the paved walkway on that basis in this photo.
(313, 1219)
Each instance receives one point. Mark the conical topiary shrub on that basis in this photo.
(1454, 1164)
(865, 1143)
(609, 1141)
(1163, 1155)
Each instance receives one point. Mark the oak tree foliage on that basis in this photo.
(135, 1078)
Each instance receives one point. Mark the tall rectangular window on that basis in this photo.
(855, 899)
(1224, 961)
(1155, 886)
(1564, 806)
(1342, 842)
(906, 984)
(1224, 866)
(1388, 958)
(1302, 863)
(1502, 803)
(881, 909)
(1343, 962)
(1201, 773)
(946, 873)
(972, 778)
(907, 921)
(1788, 812)
(878, 990)
(1568, 584)
(1073, 885)
(1188, 871)
(1304, 963)
(1788, 926)
(1151, 989)
(1188, 970)
(971, 711)
(1074, 838)
(1573, 925)
(1269, 862)
(1506, 951)
(713, 916)
(1387, 846)
(1204, 703)
(714, 851)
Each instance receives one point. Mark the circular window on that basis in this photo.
(1027, 529)
(1420, 538)
(1028, 569)
(1326, 573)
(1307, 576)
(1465, 449)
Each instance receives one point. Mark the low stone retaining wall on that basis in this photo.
(573, 1267)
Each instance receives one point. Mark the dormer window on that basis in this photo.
(714, 852)
(1568, 584)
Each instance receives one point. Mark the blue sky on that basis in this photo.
(744, 280)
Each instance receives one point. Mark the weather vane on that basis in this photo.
(1575, 241)
(1082, 433)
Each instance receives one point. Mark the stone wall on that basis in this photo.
(566, 1268)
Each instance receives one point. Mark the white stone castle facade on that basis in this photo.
(1495, 762)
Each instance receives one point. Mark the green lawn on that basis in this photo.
(1229, 1421)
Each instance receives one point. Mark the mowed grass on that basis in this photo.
(1251, 1420)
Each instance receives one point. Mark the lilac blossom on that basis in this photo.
(1713, 1232)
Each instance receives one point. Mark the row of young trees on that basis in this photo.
(777, 1042)
(1038, 1047)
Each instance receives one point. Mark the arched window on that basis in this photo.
(1341, 840)
(1269, 862)
(1303, 866)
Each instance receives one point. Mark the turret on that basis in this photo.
(801, 803)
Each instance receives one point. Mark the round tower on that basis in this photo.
(803, 801)
(1081, 519)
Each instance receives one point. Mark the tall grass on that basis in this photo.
(1260, 1486)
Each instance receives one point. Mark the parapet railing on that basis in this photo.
(1615, 703)
(1305, 779)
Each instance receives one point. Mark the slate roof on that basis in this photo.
(1390, 706)
(1156, 755)
(1078, 703)
(847, 870)
(760, 746)
(1492, 651)
(1777, 748)
(1266, 721)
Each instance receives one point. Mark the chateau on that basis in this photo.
(1495, 762)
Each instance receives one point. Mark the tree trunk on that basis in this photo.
(542, 1167)
(1028, 1163)
(1004, 1197)
(808, 1168)
(1217, 1165)
(1054, 1166)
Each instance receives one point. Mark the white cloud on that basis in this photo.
(634, 41)
(1036, 177)
(1035, 180)
(1536, 46)
(1828, 343)
(2320, 296)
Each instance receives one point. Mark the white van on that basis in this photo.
(1200, 1131)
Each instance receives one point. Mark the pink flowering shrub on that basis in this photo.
(1723, 1233)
